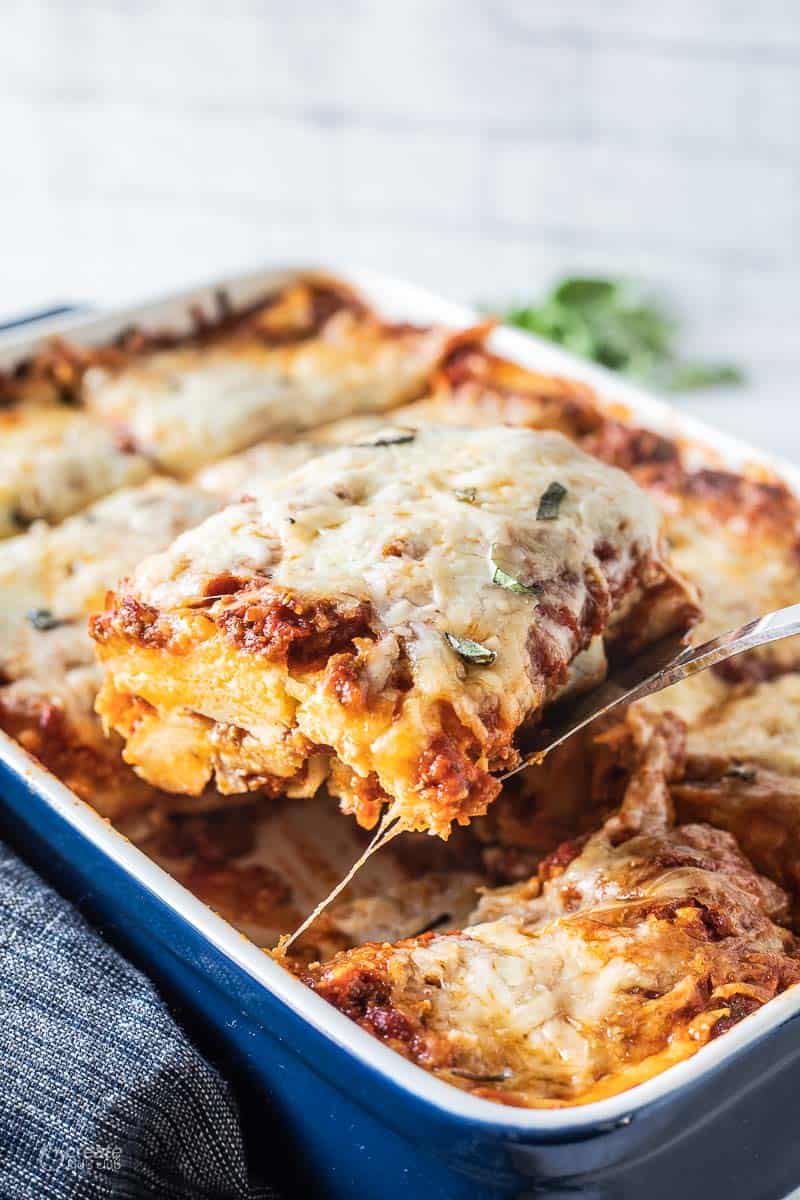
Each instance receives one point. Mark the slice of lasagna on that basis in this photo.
(55, 460)
(625, 954)
(389, 614)
(50, 578)
(190, 405)
(738, 538)
(743, 775)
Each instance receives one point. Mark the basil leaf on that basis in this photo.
(504, 580)
(471, 651)
(43, 619)
(467, 495)
(550, 501)
(391, 438)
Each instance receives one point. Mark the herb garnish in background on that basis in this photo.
(616, 323)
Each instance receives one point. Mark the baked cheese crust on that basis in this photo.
(245, 473)
(55, 460)
(736, 537)
(188, 407)
(594, 964)
(407, 604)
(239, 474)
(50, 578)
(625, 954)
(743, 774)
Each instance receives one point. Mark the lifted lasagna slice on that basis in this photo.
(239, 474)
(391, 613)
(624, 955)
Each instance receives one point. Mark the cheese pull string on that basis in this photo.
(390, 826)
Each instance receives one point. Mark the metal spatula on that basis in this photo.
(658, 667)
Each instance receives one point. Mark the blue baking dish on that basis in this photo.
(357, 1120)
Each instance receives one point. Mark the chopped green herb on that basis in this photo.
(43, 619)
(471, 651)
(618, 324)
(391, 438)
(504, 580)
(550, 501)
(467, 495)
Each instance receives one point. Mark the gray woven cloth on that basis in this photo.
(102, 1095)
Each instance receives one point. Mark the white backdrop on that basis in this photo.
(478, 147)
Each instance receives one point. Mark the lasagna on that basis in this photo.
(78, 422)
(51, 577)
(191, 405)
(736, 537)
(624, 954)
(54, 461)
(389, 615)
(743, 775)
(424, 545)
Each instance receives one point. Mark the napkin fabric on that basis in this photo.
(102, 1095)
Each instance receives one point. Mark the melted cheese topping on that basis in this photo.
(241, 474)
(761, 726)
(50, 578)
(260, 466)
(590, 977)
(65, 572)
(54, 461)
(740, 574)
(741, 578)
(191, 406)
(569, 986)
(381, 530)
